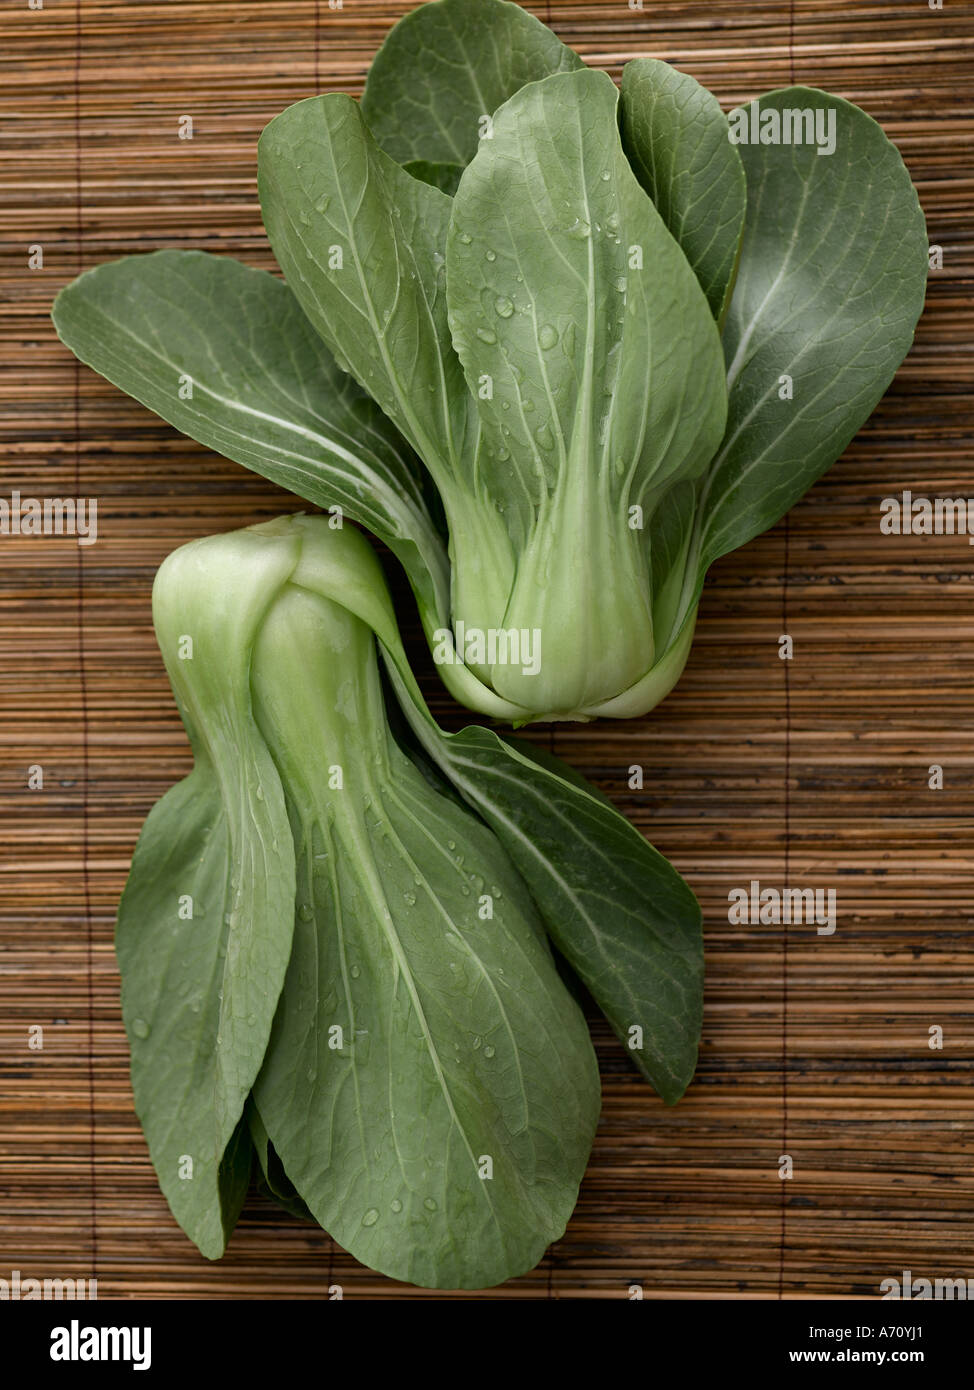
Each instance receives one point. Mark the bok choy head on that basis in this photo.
(616, 333)
(312, 920)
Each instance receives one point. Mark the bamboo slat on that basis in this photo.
(815, 771)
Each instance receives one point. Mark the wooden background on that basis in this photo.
(813, 771)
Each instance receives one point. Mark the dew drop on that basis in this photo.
(429, 1204)
(322, 204)
(259, 793)
(544, 437)
(621, 284)
(488, 1051)
(355, 972)
(140, 1028)
(305, 912)
(486, 335)
(547, 336)
(396, 1204)
(606, 176)
(410, 898)
(503, 306)
(465, 238)
(579, 230)
(370, 1217)
(490, 255)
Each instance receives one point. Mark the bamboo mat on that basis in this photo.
(812, 772)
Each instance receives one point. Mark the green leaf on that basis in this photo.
(676, 137)
(831, 282)
(620, 914)
(429, 1086)
(448, 64)
(362, 243)
(225, 354)
(605, 375)
(445, 177)
(205, 922)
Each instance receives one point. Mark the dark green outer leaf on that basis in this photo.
(200, 984)
(266, 392)
(830, 285)
(446, 65)
(272, 1180)
(675, 134)
(619, 913)
(445, 177)
(326, 189)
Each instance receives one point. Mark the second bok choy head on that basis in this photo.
(323, 952)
